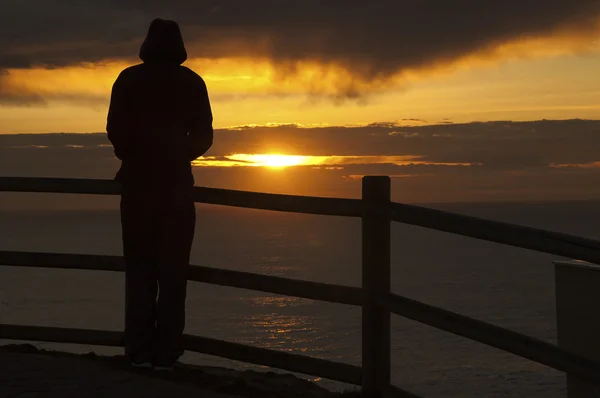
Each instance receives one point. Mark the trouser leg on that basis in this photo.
(178, 220)
(140, 239)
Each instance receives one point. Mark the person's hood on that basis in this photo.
(163, 43)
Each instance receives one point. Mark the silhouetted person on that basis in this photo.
(158, 122)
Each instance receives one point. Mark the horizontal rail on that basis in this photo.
(60, 185)
(259, 356)
(278, 285)
(224, 197)
(278, 202)
(243, 280)
(495, 336)
(539, 240)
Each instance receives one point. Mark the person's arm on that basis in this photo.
(117, 125)
(201, 129)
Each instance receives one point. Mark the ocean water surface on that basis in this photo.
(507, 286)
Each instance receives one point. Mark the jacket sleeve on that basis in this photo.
(117, 126)
(201, 129)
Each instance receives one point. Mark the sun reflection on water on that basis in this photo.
(278, 330)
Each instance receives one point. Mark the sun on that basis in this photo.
(275, 161)
(279, 161)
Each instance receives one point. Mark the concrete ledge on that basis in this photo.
(578, 324)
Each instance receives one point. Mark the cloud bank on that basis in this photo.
(373, 40)
(340, 49)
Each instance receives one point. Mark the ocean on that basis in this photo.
(506, 286)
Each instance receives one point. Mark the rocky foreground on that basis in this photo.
(29, 371)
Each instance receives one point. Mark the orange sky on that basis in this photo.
(530, 80)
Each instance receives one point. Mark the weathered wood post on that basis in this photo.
(577, 317)
(376, 192)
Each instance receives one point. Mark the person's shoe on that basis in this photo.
(142, 365)
(162, 365)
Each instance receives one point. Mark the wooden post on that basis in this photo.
(577, 318)
(376, 191)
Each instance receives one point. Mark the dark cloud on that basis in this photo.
(501, 145)
(371, 39)
(497, 145)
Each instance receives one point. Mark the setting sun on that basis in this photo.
(273, 160)
(276, 161)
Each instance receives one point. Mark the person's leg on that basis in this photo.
(177, 233)
(139, 229)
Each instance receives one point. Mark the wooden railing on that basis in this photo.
(376, 211)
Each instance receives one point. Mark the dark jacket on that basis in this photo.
(160, 117)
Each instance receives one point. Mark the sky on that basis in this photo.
(448, 97)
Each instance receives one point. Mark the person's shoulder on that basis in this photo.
(130, 71)
(190, 74)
